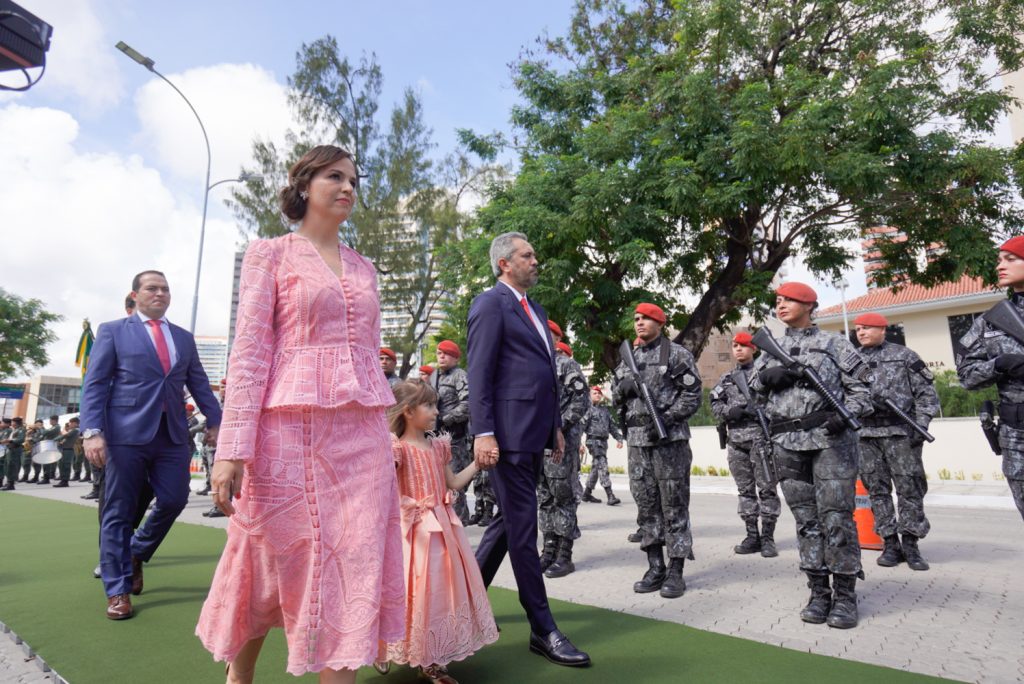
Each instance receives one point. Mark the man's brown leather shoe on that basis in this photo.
(119, 607)
(136, 576)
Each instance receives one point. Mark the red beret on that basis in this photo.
(564, 348)
(743, 338)
(449, 348)
(652, 311)
(553, 327)
(797, 291)
(597, 388)
(1014, 245)
(384, 351)
(873, 320)
(426, 369)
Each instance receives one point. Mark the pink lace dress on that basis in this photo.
(315, 544)
(447, 612)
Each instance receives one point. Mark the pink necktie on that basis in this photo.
(161, 345)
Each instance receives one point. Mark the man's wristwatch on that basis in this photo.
(92, 432)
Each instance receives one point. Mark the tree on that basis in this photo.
(408, 204)
(24, 334)
(689, 147)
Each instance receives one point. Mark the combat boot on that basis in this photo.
(844, 604)
(612, 499)
(768, 549)
(892, 554)
(478, 512)
(913, 554)
(674, 584)
(589, 497)
(636, 537)
(817, 609)
(655, 575)
(487, 516)
(547, 556)
(563, 561)
(752, 542)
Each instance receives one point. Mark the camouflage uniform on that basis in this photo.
(758, 494)
(598, 426)
(975, 365)
(818, 470)
(890, 451)
(27, 464)
(559, 489)
(392, 379)
(5, 434)
(52, 433)
(452, 387)
(14, 453)
(659, 471)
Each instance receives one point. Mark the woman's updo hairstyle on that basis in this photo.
(302, 172)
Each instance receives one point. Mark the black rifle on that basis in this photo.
(766, 343)
(723, 435)
(990, 427)
(765, 446)
(902, 415)
(626, 352)
(1005, 317)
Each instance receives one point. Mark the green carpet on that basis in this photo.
(48, 596)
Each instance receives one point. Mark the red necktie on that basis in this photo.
(161, 345)
(526, 308)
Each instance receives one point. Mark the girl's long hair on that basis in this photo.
(408, 394)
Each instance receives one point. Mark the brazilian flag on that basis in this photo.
(84, 347)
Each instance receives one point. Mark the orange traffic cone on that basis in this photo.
(196, 466)
(865, 520)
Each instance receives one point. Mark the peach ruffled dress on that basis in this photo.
(315, 543)
(448, 615)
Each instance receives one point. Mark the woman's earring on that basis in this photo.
(304, 195)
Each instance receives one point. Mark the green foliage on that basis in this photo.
(676, 147)
(24, 334)
(698, 471)
(408, 204)
(703, 415)
(958, 402)
(713, 471)
(944, 474)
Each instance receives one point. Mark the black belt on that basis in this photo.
(1011, 414)
(808, 422)
(877, 419)
(740, 425)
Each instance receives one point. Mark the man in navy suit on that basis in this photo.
(133, 422)
(513, 391)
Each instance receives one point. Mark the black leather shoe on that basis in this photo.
(62, 483)
(214, 513)
(9, 487)
(91, 495)
(636, 537)
(557, 648)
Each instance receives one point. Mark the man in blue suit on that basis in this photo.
(513, 390)
(133, 422)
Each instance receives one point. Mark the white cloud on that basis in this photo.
(84, 224)
(81, 63)
(237, 103)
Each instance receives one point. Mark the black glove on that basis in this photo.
(778, 377)
(1011, 364)
(628, 388)
(835, 424)
(915, 438)
(879, 404)
(737, 413)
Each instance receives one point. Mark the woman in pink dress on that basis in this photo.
(448, 615)
(304, 465)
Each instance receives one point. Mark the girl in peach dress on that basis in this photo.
(448, 616)
(304, 465)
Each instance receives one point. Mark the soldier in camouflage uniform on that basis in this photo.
(15, 447)
(388, 362)
(816, 453)
(732, 403)
(597, 426)
(5, 436)
(986, 356)
(890, 451)
(50, 432)
(34, 434)
(452, 387)
(559, 490)
(659, 469)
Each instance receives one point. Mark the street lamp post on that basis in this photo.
(149, 64)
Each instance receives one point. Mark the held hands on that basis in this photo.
(226, 484)
(486, 452)
(96, 450)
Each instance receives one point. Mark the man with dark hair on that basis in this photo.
(129, 305)
(66, 441)
(133, 419)
(52, 433)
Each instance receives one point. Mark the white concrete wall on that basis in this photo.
(959, 446)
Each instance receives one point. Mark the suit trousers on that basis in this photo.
(165, 465)
(514, 531)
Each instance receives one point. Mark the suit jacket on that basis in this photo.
(125, 389)
(513, 384)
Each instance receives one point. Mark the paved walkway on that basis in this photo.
(963, 619)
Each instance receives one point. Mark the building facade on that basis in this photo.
(213, 355)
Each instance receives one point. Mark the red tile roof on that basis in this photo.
(884, 298)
